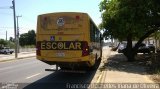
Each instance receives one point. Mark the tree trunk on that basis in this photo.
(129, 52)
(130, 55)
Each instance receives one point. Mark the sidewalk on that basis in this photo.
(117, 70)
(21, 55)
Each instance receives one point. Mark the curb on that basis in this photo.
(100, 77)
(102, 72)
(16, 58)
(104, 77)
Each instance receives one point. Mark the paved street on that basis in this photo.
(31, 74)
(20, 70)
(8, 57)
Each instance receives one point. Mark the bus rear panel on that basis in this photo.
(64, 39)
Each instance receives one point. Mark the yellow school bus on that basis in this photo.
(70, 40)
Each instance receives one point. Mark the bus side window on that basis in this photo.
(97, 35)
(92, 32)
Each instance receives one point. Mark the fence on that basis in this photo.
(27, 49)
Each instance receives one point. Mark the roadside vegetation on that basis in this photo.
(26, 40)
(4, 43)
(130, 20)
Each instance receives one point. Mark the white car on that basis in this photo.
(6, 50)
(121, 47)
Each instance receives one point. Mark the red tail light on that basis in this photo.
(85, 49)
(77, 17)
(38, 48)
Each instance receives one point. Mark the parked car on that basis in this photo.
(121, 47)
(142, 49)
(6, 50)
(151, 48)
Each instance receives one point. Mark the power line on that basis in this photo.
(6, 7)
(2, 29)
(6, 14)
(7, 27)
(22, 28)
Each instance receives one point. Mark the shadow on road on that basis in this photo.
(61, 80)
(118, 62)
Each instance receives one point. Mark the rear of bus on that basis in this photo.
(63, 39)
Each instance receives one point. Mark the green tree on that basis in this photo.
(23, 40)
(31, 37)
(3, 43)
(11, 39)
(28, 38)
(129, 20)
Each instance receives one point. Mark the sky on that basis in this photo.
(30, 9)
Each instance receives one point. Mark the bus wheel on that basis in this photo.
(94, 67)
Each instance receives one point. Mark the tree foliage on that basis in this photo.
(28, 38)
(11, 39)
(129, 20)
(4, 43)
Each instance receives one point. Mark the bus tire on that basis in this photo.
(94, 67)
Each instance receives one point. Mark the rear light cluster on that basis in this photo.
(85, 49)
(38, 48)
(77, 17)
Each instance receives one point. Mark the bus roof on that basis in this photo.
(65, 12)
(71, 13)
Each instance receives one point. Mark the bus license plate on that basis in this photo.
(60, 54)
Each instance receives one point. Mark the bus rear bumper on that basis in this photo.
(73, 63)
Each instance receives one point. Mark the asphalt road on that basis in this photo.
(30, 73)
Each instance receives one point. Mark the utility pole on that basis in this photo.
(18, 33)
(15, 33)
(6, 35)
